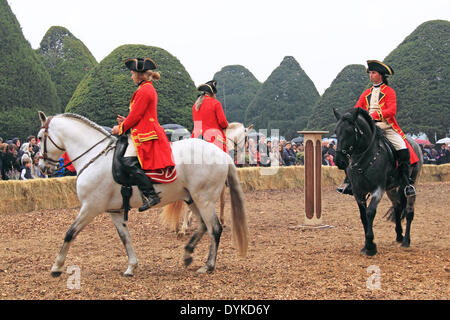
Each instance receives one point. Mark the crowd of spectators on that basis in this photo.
(262, 152)
(436, 155)
(21, 161)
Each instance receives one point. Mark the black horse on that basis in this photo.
(370, 164)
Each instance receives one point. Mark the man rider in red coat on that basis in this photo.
(381, 103)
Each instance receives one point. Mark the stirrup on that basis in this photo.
(409, 190)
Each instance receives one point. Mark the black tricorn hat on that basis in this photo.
(140, 64)
(382, 68)
(210, 87)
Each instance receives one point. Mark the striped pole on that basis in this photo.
(313, 177)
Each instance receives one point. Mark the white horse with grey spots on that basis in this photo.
(202, 170)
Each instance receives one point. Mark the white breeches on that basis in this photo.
(396, 139)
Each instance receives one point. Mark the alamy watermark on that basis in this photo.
(374, 280)
(74, 280)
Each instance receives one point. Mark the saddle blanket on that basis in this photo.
(165, 175)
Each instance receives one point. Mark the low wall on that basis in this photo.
(58, 193)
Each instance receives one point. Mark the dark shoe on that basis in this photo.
(150, 199)
(345, 188)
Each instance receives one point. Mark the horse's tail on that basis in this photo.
(171, 214)
(238, 218)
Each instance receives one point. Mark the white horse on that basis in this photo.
(236, 134)
(202, 170)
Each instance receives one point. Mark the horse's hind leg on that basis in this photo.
(207, 221)
(201, 229)
(84, 217)
(222, 206)
(397, 207)
(124, 235)
(409, 212)
(214, 231)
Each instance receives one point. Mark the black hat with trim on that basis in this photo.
(209, 87)
(140, 64)
(382, 68)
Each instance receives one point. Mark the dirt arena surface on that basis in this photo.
(283, 263)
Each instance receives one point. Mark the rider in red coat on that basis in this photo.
(209, 119)
(381, 102)
(148, 147)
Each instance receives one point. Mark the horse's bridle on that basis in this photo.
(348, 153)
(47, 158)
(47, 136)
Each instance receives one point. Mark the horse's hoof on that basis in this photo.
(128, 275)
(188, 261)
(55, 274)
(399, 239)
(363, 251)
(204, 270)
(371, 253)
(405, 244)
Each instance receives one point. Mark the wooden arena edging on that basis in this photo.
(59, 193)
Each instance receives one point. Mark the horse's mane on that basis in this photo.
(366, 116)
(234, 125)
(85, 121)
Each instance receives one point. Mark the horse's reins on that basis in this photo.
(46, 158)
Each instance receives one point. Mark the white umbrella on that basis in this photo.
(443, 140)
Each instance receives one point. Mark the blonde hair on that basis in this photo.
(152, 75)
(199, 101)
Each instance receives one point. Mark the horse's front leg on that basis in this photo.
(84, 217)
(371, 247)
(124, 234)
(362, 205)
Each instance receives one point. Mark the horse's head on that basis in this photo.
(348, 132)
(50, 150)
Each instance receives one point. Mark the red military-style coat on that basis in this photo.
(153, 147)
(388, 109)
(210, 122)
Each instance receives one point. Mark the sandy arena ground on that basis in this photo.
(283, 263)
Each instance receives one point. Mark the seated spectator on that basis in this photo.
(32, 140)
(443, 155)
(36, 171)
(327, 160)
(25, 173)
(288, 155)
(426, 158)
(11, 167)
(275, 155)
(263, 149)
(300, 155)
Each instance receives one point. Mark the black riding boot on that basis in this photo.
(403, 170)
(346, 187)
(137, 175)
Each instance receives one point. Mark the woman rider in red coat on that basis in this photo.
(209, 118)
(148, 147)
